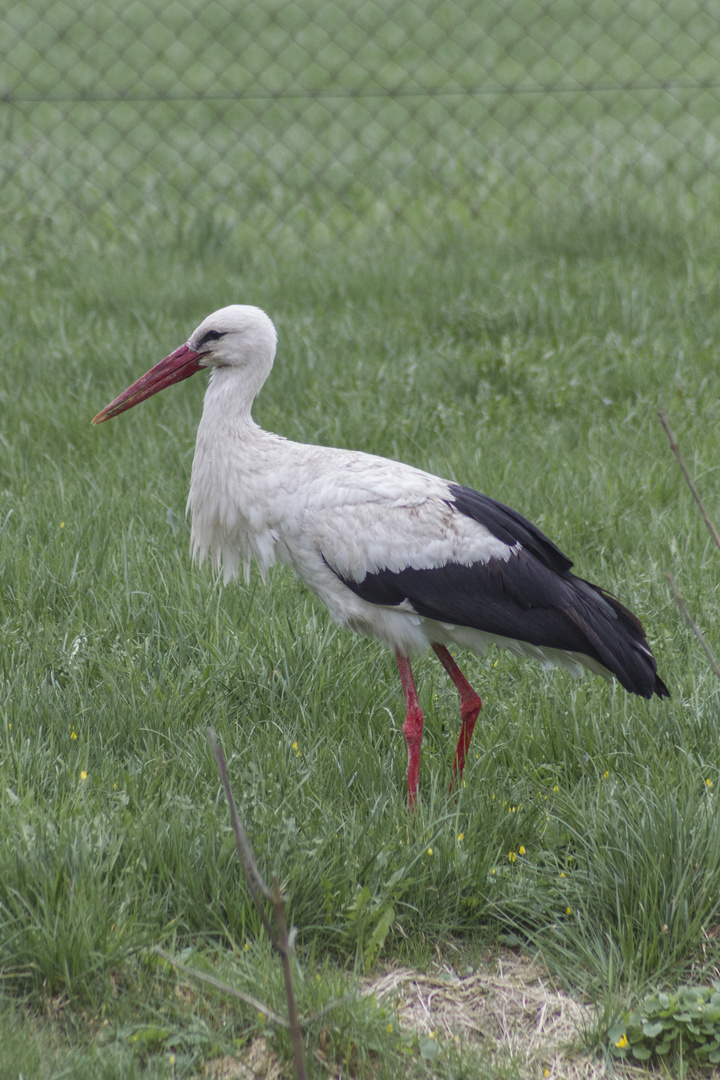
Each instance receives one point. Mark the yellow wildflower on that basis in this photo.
(83, 775)
(512, 856)
(521, 850)
(622, 1041)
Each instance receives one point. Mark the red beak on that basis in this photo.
(174, 368)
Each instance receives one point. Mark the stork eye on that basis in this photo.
(211, 335)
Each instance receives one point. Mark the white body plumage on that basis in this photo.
(326, 512)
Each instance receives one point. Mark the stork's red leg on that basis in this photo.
(470, 705)
(413, 726)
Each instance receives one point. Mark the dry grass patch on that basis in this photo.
(510, 1006)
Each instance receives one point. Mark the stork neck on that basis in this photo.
(231, 392)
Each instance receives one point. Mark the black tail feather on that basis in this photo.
(617, 640)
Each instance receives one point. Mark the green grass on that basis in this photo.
(528, 364)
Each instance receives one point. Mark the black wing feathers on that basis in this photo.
(531, 597)
(508, 526)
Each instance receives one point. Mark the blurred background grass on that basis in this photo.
(313, 118)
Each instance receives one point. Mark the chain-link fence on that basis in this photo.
(325, 113)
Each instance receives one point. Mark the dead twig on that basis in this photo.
(225, 987)
(676, 451)
(691, 623)
(282, 941)
(713, 532)
(284, 946)
(255, 883)
(203, 976)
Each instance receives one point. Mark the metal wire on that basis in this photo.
(329, 114)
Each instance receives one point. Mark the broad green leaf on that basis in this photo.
(429, 1049)
(377, 938)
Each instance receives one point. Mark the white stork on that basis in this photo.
(392, 551)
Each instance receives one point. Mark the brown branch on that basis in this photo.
(691, 623)
(284, 949)
(258, 889)
(195, 973)
(255, 883)
(225, 987)
(676, 451)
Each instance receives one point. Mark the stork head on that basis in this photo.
(238, 336)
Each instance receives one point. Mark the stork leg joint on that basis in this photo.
(470, 705)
